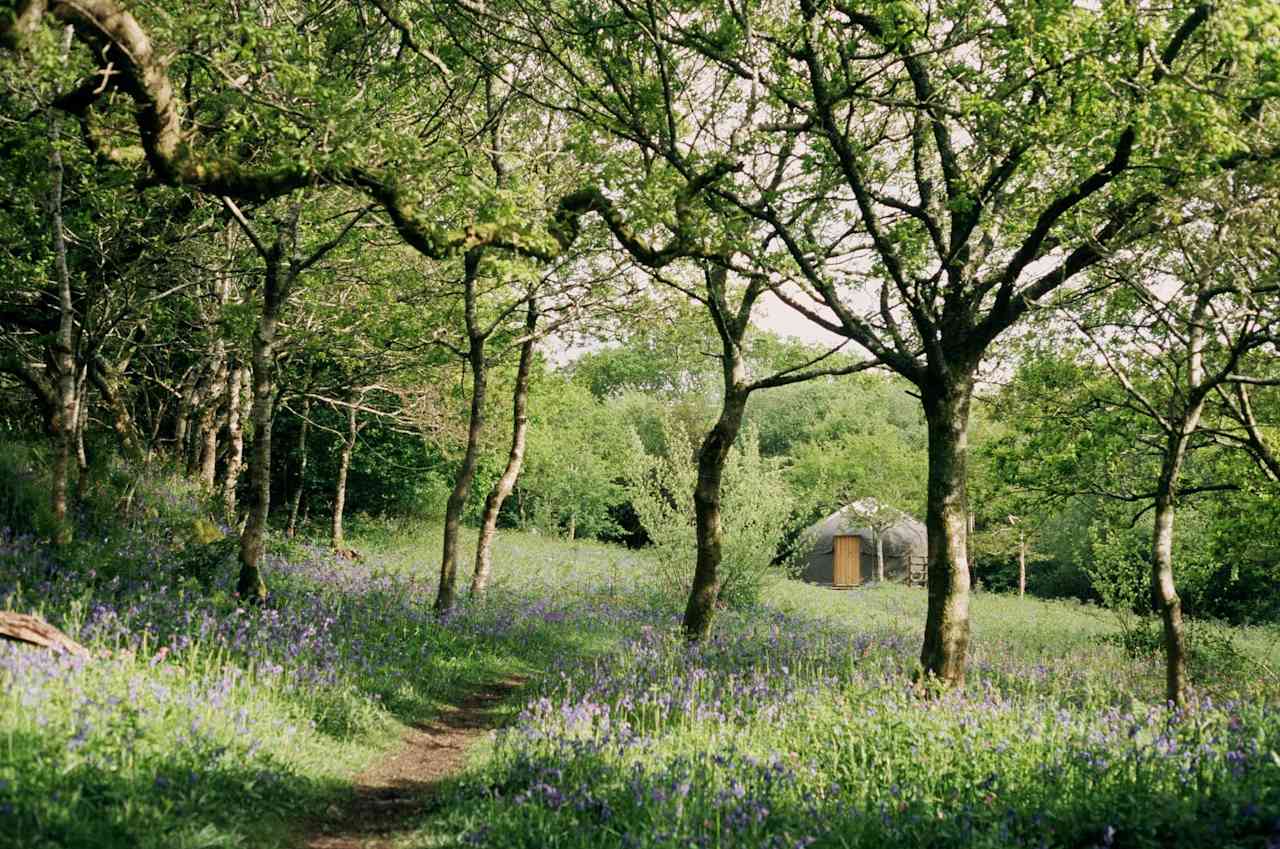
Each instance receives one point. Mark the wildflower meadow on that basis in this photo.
(198, 721)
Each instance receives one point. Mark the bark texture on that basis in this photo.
(946, 634)
(336, 537)
(515, 458)
(1167, 602)
(251, 585)
(1022, 565)
(299, 485)
(448, 591)
(63, 350)
(107, 381)
(235, 442)
(210, 425)
(712, 456)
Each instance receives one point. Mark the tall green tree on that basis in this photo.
(962, 165)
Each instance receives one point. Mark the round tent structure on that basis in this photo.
(842, 547)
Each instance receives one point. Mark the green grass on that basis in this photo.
(202, 724)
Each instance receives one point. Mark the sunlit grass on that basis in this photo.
(202, 723)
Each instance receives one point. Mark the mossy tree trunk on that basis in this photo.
(712, 456)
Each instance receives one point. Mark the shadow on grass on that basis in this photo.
(356, 646)
(102, 805)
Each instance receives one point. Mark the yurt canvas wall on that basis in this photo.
(903, 541)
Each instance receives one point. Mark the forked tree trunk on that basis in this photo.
(340, 489)
(250, 585)
(235, 442)
(946, 632)
(712, 456)
(447, 593)
(515, 459)
(296, 501)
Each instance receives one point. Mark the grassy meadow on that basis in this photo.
(202, 723)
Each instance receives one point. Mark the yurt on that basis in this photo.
(842, 547)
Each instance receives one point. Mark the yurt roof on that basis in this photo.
(904, 534)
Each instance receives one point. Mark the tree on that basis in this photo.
(756, 505)
(283, 264)
(579, 448)
(962, 165)
(1190, 318)
(515, 458)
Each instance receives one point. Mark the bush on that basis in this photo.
(25, 508)
(756, 505)
(1211, 651)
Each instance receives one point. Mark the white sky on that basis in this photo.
(772, 314)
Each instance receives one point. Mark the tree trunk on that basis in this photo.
(250, 585)
(340, 490)
(235, 442)
(1022, 565)
(210, 425)
(448, 590)
(1164, 595)
(946, 631)
(706, 510)
(204, 412)
(300, 484)
(82, 421)
(880, 556)
(462, 484)
(1167, 601)
(186, 407)
(63, 353)
(107, 381)
(515, 459)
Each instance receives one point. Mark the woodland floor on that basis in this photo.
(387, 797)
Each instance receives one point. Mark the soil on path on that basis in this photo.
(389, 794)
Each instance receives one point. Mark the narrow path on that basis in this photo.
(392, 791)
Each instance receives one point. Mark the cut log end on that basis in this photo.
(33, 631)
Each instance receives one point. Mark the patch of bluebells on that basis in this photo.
(783, 731)
(327, 626)
(186, 683)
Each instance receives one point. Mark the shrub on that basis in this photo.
(25, 507)
(756, 505)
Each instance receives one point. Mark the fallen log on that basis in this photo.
(34, 631)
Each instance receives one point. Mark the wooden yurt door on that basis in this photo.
(846, 561)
